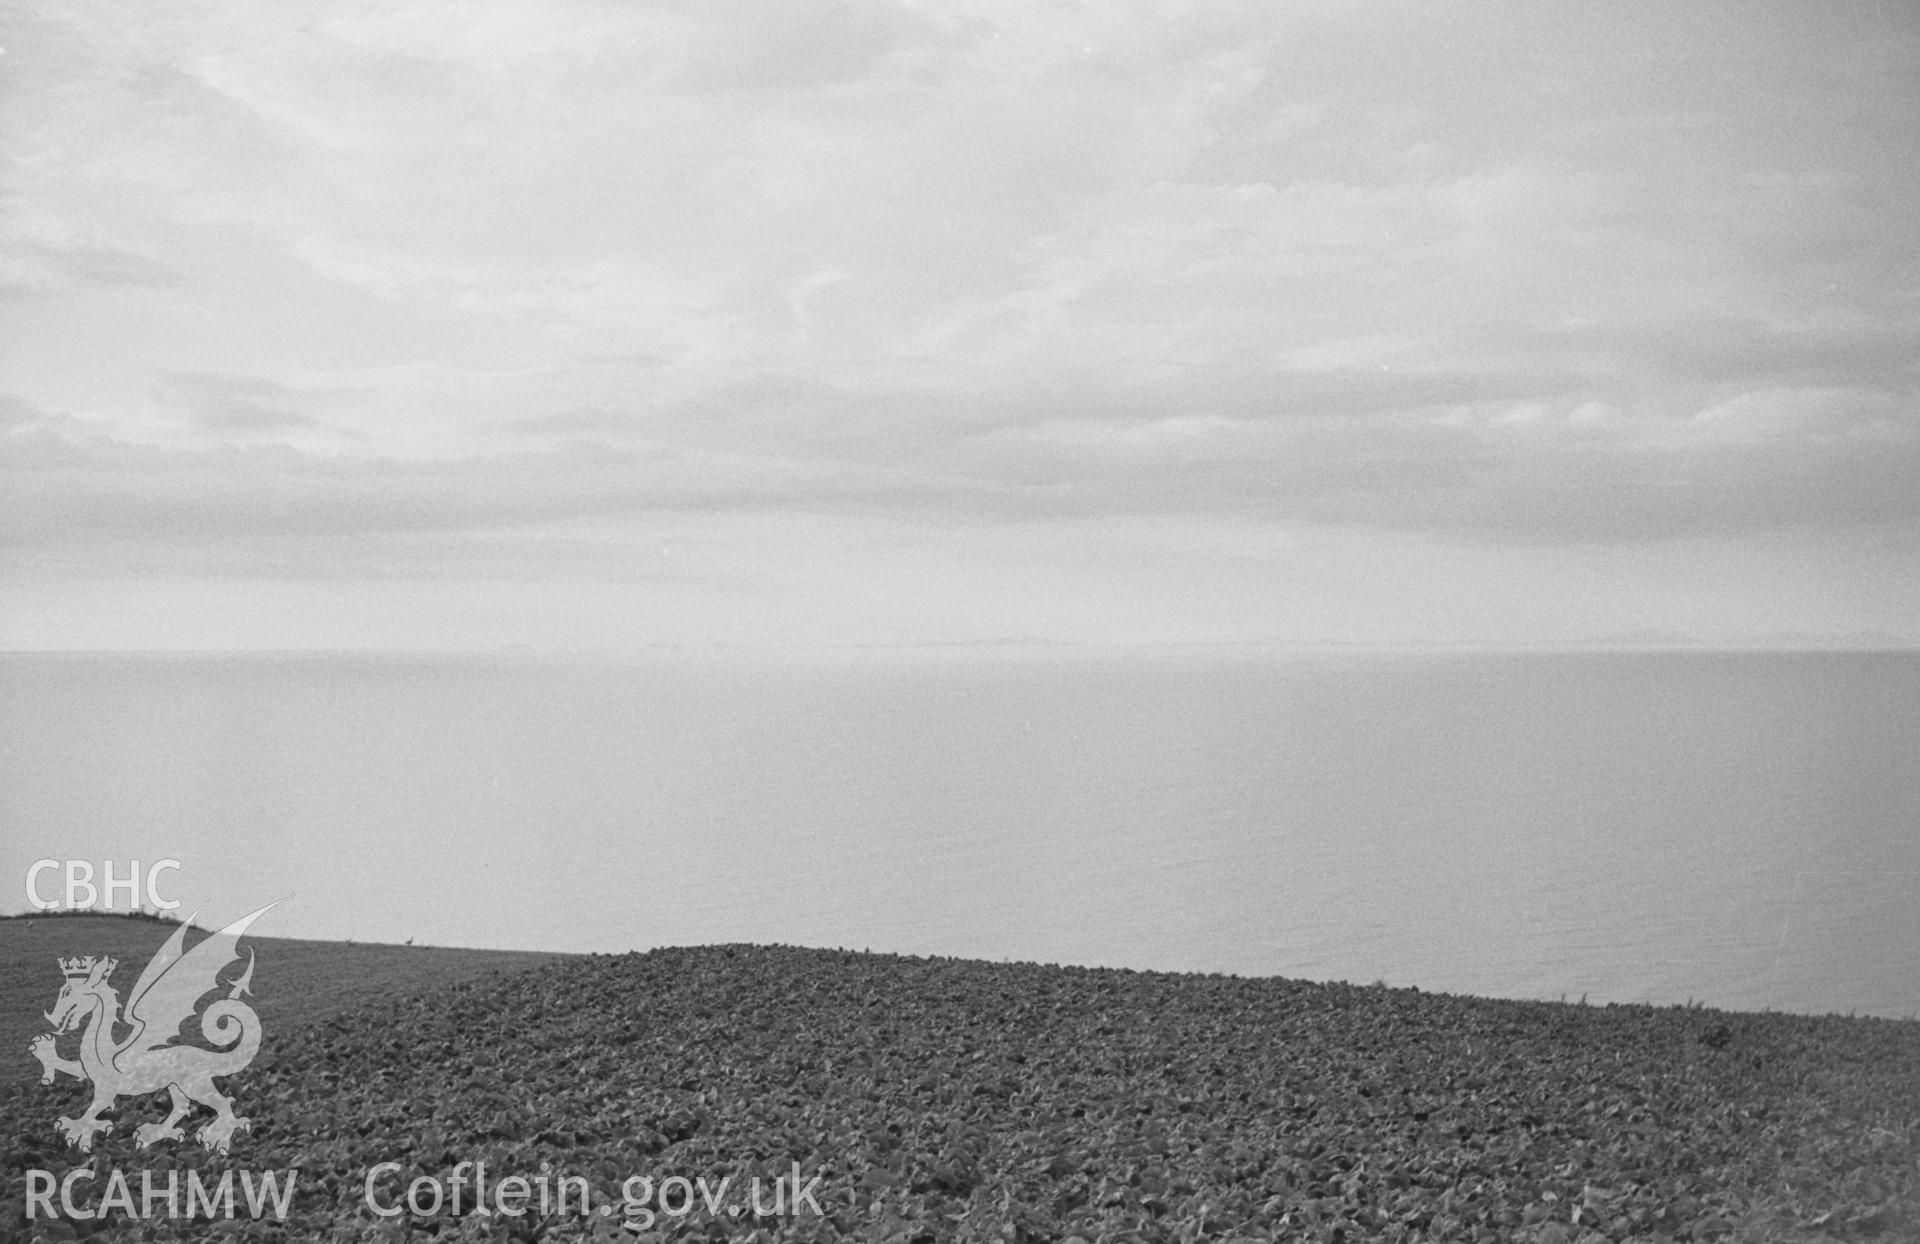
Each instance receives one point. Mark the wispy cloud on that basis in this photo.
(488, 276)
(28, 266)
(235, 405)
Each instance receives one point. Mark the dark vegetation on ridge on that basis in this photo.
(72, 913)
(954, 1100)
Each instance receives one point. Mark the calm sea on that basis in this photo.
(1742, 829)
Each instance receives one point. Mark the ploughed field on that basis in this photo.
(931, 1100)
(298, 980)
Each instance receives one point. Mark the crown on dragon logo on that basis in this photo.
(84, 966)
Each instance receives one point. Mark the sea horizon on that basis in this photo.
(1666, 826)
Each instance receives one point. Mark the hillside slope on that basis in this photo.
(945, 1099)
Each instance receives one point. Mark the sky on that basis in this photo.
(606, 325)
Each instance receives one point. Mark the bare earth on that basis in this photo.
(932, 1100)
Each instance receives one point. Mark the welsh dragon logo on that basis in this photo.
(146, 1060)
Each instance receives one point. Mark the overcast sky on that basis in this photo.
(461, 323)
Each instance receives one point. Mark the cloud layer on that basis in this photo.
(480, 286)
